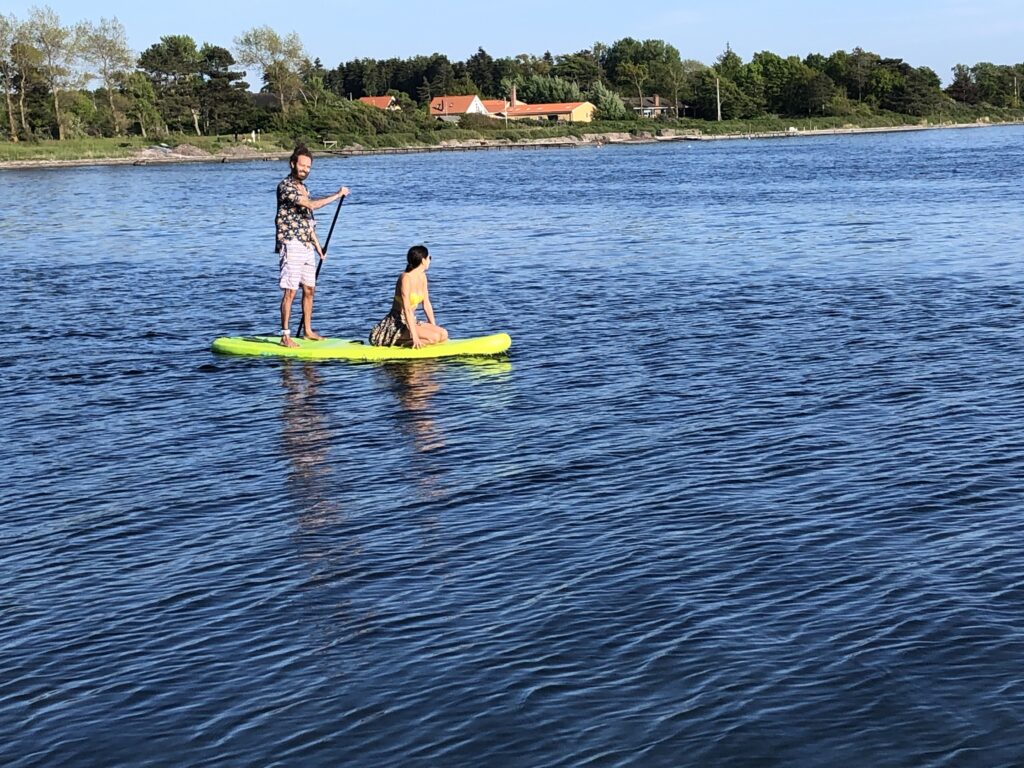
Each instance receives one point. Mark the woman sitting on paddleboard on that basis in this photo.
(400, 327)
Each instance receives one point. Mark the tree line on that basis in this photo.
(83, 79)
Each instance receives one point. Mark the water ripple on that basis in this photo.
(746, 490)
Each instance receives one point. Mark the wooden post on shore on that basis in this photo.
(718, 98)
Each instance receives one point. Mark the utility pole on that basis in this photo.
(718, 98)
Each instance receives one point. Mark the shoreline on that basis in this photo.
(154, 156)
(797, 132)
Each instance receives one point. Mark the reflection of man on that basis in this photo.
(306, 441)
(297, 242)
(305, 433)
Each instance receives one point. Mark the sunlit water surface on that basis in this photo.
(747, 490)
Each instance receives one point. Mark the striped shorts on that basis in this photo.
(298, 265)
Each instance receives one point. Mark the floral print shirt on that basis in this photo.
(293, 221)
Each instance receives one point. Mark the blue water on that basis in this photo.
(746, 491)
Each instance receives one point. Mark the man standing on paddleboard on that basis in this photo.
(297, 243)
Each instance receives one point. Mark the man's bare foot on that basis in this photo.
(286, 341)
(312, 336)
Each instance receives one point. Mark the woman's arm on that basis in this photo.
(428, 308)
(409, 311)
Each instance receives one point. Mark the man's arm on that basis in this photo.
(307, 202)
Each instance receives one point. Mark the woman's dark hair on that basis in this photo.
(415, 257)
(300, 151)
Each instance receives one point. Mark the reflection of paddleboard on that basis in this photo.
(343, 349)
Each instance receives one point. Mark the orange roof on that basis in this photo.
(494, 105)
(450, 105)
(524, 110)
(381, 102)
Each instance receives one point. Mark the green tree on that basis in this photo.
(899, 87)
(775, 74)
(480, 68)
(886, 80)
(28, 77)
(347, 79)
(374, 78)
(733, 76)
(608, 103)
(861, 66)
(815, 61)
(963, 88)
(634, 65)
(734, 103)
(58, 47)
(104, 47)
(510, 70)
(581, 68)
(751, 82)
(539, 89)
(81, 115)
(442, 75)
(921, 94)
(820, 91)
(527, 64)
(314, 89)
(279, 58)
(140, 101)
(675, 77)
(837, 67)
(729, 64)
(664, 66)
(8, 33)
(173, 66)
(636, 75)
(425, 92)
(224, 96)
(461, 81)
(620, 54)
(994, 84)
(694, 71)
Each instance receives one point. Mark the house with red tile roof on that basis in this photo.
(495, 106)
(452, 107)
(569, 112)
(381, 102)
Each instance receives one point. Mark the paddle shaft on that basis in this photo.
(330, 232)
(320, 263)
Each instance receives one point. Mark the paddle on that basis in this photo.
(330, 232)
(319, 264)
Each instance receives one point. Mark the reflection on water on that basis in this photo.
(415, 384)
(783, 526)
(306, 440)
(486, 367)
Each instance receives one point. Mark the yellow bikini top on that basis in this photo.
(415, 298)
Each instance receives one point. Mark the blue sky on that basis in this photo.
(933, 33)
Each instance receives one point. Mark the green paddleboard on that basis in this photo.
(343, 349)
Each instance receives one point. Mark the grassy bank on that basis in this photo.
(479, 129)
(103, 148)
